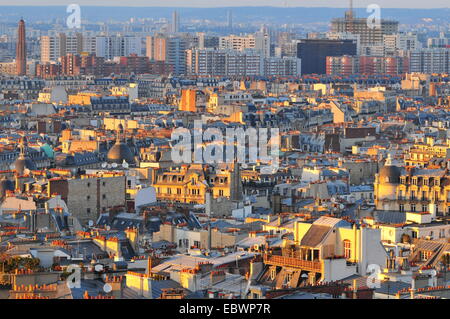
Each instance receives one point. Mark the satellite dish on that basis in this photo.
(90, 223)
(114, 165)
(244, 165)
(108, 227)
(104, 165)
(125, 164)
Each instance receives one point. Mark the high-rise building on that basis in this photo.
(286, 66)
(54, 47)
(259, 41)
(223, 62)
(314, 53)
(435, 60)
(169, 49)
(369, 34)
(109, 47)
(21, 50)
(175, 22)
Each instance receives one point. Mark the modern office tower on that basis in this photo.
(223, 62)
(169, 49)
(314, 53)
(430, 61)
(117, 46)
(175, 22)
(369, 34)
(21, 50)
(54, 47)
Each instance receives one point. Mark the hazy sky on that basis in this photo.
(222, 3)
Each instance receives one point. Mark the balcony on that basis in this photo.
(282, 261)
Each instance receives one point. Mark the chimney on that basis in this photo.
(432, 209)
(413, 287)
(208, 212)
(149, 265)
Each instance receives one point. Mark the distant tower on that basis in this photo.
(230, 20)
(236, 191)
(175, 22)
(21, 50)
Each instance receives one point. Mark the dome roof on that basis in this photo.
(390, 174)
(120, 152)
(23, 163)
(5, 185)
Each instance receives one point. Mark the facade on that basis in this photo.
(369, 65)
(430, 60)
(285, 66)
(90, 195)
(223, 62)
(189, 184)
(54, 47)
(109, 47)
(412, 190)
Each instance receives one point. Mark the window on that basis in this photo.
(104, 196)
(347, 249)
(88, 211)
(88, 197)
(402, 208)
(273, 273)
(413, 207)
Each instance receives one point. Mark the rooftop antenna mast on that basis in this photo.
(349, 17)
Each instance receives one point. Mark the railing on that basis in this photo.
(307, 265)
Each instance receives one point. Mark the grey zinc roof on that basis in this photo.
(390, 217)
(315, 235)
